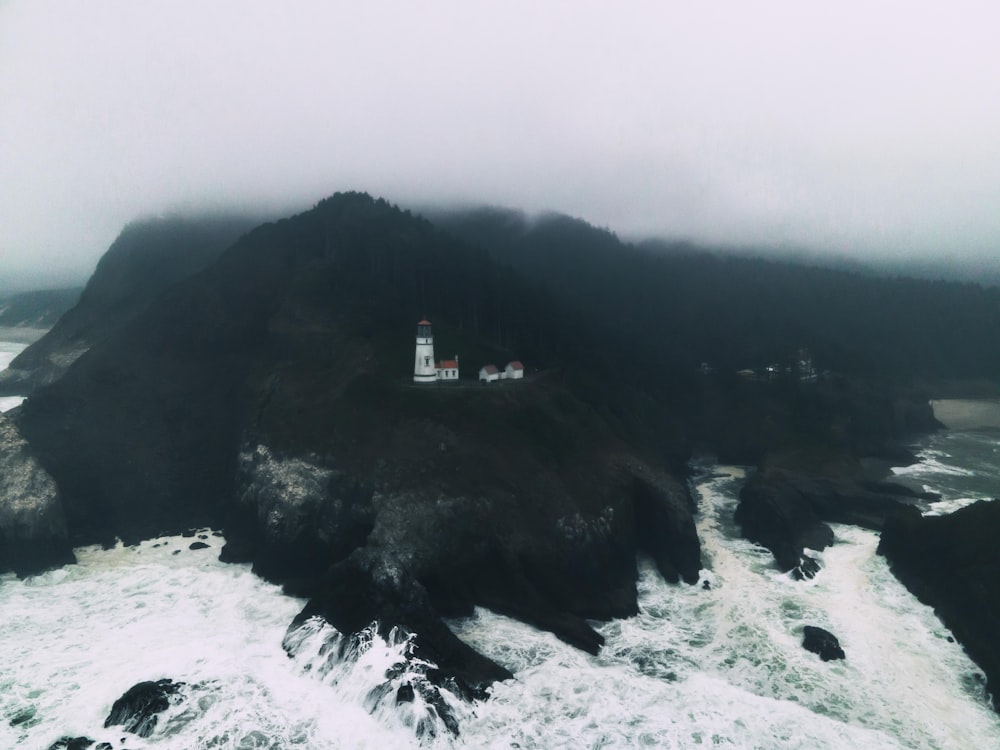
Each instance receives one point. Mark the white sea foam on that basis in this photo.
(75, 639)
(9, 402)
(9, 350)
(725, 666)
(717, 667)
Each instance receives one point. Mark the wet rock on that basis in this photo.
(71, 743)
(368, 588)
(404, 694)
(137, 710)
(33, 534)
(790, 514)
(821, 642)
(23, 716)
(197, 545)
(665, 527)
(807, 568)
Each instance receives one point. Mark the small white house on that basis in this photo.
(513, 371)
(488, 374)
(447, 369)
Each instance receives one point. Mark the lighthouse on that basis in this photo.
(424, 367)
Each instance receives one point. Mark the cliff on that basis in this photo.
(270, 394)
(146, 258)
(952, 563)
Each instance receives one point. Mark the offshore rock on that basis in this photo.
(33, 534)
(791, 514)
(137, 710)
(952, 563)
(72, 743)
(821, 642)
(368, 588)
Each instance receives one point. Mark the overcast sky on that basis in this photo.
(863, 129)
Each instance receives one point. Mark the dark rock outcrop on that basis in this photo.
(33, 534)
(72, 743)
(821, 642)
(952, 563)
(790, 514)
(137, 711)
(370, 587)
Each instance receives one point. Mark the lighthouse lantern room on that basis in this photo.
(424, 366)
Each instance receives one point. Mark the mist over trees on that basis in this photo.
(676, 306)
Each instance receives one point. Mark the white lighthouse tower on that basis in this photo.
(424, 367)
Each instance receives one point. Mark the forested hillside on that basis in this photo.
(676, 306)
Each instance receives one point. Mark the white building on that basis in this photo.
(424, 369)
(447, 369)
(513, 371)
(489, 373)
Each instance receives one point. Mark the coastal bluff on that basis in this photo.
(267, 394)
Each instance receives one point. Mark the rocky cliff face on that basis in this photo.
(952, 563)
(270, 394)
(33, 534)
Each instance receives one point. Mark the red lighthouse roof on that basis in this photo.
(424, 323)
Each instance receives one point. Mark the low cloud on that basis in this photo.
(855, 130)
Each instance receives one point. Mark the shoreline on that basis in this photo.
(967, 413)
(21, 334)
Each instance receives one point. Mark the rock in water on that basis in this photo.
(32, 526)
(136, 711)
(822, 642)
(791, 514)
(71, 743)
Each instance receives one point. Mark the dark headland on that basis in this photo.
(263, 386)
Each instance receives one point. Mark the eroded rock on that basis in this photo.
(33, 533)
(789, 515)
(138, 710)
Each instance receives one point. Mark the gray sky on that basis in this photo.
(864, 129)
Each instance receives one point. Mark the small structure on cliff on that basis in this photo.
(447, 369)
(425, 369)
(513, 371)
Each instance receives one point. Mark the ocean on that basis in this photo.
(9, 350)
(718, 664)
